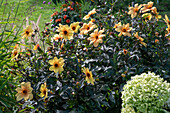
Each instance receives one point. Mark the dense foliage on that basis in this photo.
(82, 65)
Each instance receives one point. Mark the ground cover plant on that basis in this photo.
(97, 61)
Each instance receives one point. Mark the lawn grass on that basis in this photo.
(30, 8)
(33, 8)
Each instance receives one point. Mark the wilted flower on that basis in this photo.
(167, 20)
(75, 26)
(44, 91)
(57, 65)
(140, 39)
(147, 7)
(133, 10)
(27, 32)
(144, 92)
(125, 29)
(24, 92)
(87, 27)
(89, 76)
(65, 31)
(147, 16)
(96, 37)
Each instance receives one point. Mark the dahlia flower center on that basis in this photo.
(65, 32)
(97, 37)
(56, 65)
(24, 91)
(136, 9)
(124, 29)
(27, 32)
(88, 28)
(150, 6)
(73, 28)
(44, 92)
(88, 75)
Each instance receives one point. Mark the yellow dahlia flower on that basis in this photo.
(75, 26)
(87, 27)
(147, 7)
(124, 29)
(27, 32)
(133, 10)
(24, 92)
(57, 65)
(65, 31)
(89, 76)
(96, 37)
(44, 91)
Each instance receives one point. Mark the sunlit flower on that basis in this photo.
(133, 10)
(92, 20)
(125, 29)
(125, 51)
(167, 20)
(89, 76)
(116, 25)
(96, 37)
(36, 47)
(156, 14)
(87, 27)
(147, 7)
(156, 41)
(75, 26)
(140, 39)
(58, 20)
(44, 91)
(65, 16)
(57, 65)
(65, 31)
(168, 29)
(147, 16)
(68, 21)
(56, 37)
(89, 14)
(24, 92)
(15, 52)
(27, 32)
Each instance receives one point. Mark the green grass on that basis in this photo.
(30, 8)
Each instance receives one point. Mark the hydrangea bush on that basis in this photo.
(145, 92)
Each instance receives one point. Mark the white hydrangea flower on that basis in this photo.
(144, 92)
